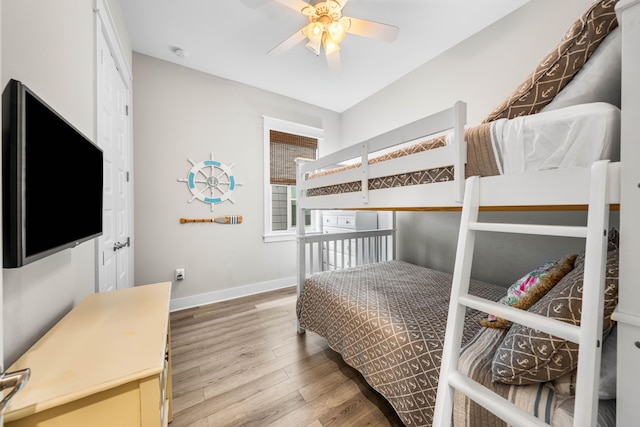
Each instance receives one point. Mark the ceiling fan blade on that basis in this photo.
(373, 30)
(299, 6)
(334, 62)
(290, 42)
(342, 3)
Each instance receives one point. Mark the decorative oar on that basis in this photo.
(227, 219)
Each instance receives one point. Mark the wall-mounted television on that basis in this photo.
(51, 180)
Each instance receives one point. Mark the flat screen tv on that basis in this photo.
(51, 180)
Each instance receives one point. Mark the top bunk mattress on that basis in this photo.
(574, 136)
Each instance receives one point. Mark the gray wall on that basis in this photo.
(481, 71)
(430, 238)
(50, 46)
(182, 114)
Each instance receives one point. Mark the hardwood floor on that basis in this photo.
(241, 363)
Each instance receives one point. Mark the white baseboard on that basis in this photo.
(177, 304)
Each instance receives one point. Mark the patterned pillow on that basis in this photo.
(613, 241)
(599, 80)
(531, 287)
(561, 64)
(566, 384)
(527, 356)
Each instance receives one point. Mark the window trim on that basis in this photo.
(271, 123)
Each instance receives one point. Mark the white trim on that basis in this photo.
(177, 304)
(292, 127)
(279, 237)
(104, 15)
(106, 30)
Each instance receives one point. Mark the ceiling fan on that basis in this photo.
(327, 27)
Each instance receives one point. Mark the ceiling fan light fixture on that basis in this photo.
(337, 31)
(326, 28)
(330, 45)
(314, 45)
(314, 29)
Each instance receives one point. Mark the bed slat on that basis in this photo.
(540, 230)
(356, 248)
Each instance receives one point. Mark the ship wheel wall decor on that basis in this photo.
(211, 181)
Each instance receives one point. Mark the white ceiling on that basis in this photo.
(231, 38)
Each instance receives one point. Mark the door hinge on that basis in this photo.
(127, 176)
(126, 110)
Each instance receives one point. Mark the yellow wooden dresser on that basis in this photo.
(106, 363)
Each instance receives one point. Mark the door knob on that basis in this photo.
(117, 246)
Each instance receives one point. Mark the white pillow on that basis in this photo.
(573, 136)
(599, 78)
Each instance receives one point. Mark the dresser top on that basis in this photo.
(108, 339)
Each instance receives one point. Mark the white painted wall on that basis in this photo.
(50, 46)
(481, 71)
(182, 114)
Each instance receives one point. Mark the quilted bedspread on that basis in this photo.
(388, 320)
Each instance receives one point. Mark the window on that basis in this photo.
(283, 143)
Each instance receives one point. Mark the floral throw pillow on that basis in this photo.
(528, 356)
(531, 287)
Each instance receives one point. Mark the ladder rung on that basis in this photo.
(492, 401)
(543, 230)
(554, 327)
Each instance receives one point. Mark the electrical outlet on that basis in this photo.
(179, 274)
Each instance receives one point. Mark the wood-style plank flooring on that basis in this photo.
(241, 363)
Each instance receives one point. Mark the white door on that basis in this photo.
(114, 139)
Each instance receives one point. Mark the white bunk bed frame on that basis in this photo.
(588, 335)
(627, 313)
(533, 191)
(444, 194)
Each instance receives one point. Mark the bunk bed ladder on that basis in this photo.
(588, 335)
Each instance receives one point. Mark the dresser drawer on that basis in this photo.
(330, 221)
(347, 222)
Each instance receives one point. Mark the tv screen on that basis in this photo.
(52, 180)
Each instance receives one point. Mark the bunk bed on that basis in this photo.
(387, 319)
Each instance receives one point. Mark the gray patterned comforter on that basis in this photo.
(388, 320)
